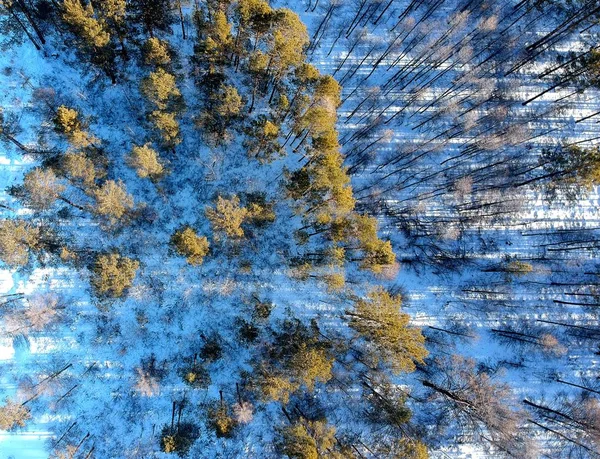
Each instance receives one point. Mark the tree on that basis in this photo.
(42, 309)
(290, 38)
(42, 188)
(227, 217)
(145, 161)
(85, 24)
(17, 239)
(112, 200)
(160, 88)
(13, 415)
(67, 122)
(309, 365)
(153, 15)
(296, 443)
(228, 102)
(220, 420)
(112, 274)
(178, 439)
(156, 52)
(379, 321)
(478, 404)
(168, 127)
(571, 169)
(190, 245)
(79, 168)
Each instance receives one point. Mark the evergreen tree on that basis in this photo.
(227, 217)
(145, 161)
(167, 126)
(85, 24)
(112, 200)
(112, 274)
(379, 321)
(42, 188)
(152, 15)
(156, 52)
(13, 415)
(190, 245)
(160, 89)
(17, 239)
(78, 168)
(297, 443)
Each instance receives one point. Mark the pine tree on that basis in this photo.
(167, 126)
(152, 15)
(289, 40)
(379, 321)
(220, 420)
(17, 239)
(67, 122)
(112, 200)
(42, 188)
(145, 161)
(228, 102)
(112, 274)
(156, 52)
(13, 415)
(85, 24)
(309, 365)
(296, 443)
(160, 89)
(190, 245)
(78, 168)
(227, 217)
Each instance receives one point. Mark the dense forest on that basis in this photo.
(299, 228)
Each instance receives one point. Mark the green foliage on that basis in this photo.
(380, 322)
(228, 102)
(227, 217)
(572, 170)
(13, 415)
(160, 88)
(112, 200)
(190, 245)
(167, 126)
(17, 239)
(220, 419)
(156, 52)
(178, 439)
(195, 375)
(296, 443)
(112, 274)
(83, 21)
(42, 188)
(78, 168)
(145, 161)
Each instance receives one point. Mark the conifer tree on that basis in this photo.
(13, 415)
(17, 239)
(156, 52)
(227, 217)
(152, 15)
(144, 159)
(167, 126)
(85, 24)
(379, 321)
(160, 88)
(190, 245)
(112, 200)
(112, 274)
(78, 168)
(42, 188)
